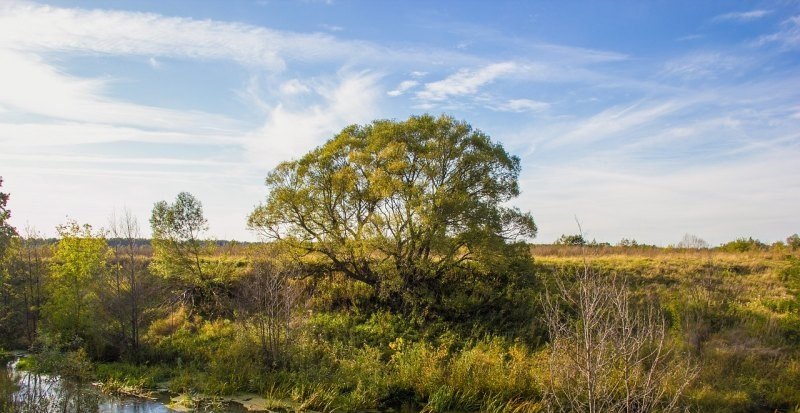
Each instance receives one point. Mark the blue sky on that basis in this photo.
(644, 120)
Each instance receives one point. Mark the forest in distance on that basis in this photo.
(393, 275)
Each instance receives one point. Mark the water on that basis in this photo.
(25, 392)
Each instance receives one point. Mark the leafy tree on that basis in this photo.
(399, 205)
(7, 292)
(625, 242)
(77, 269)
(6, 230)
(576, 239)
(793, 241)
(180, 255)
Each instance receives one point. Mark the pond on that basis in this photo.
(25, 392)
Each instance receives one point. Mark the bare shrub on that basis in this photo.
(609, 351)
(268, 296)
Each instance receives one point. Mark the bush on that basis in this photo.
(743, 245)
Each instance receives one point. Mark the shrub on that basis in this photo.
(743, 245)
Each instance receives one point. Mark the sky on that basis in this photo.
(645, 120)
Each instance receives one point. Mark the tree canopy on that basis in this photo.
(394, 203)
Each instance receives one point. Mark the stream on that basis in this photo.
(40, 393)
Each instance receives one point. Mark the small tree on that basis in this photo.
(181, 256)
(625, 242)
(131, 285)
(6, 230)
(78, 266)
(793, 241)
(576, 239)
(33, 271)
(692, 242)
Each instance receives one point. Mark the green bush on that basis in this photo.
(743, 245)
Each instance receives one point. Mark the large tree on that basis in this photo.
(398, 204)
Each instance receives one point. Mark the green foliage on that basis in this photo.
(576, 239)
(793, 241)
(743, 245)
(78, 265)
(201, 281)
(6, 230)
(398, 205)
(8, 313)
(131, 375)
(177, 246)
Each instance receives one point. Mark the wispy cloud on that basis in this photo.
(33, 27)
(402, 87)
(615, 120)
(27, 79)
(742, 16)
(293, 87)
(690, 37)
(465, 81)
(788, 37)
(30, 134)
(521, 105)
(331, 27)
(699, 65)
(76, 159)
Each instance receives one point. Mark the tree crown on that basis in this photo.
(416, 197)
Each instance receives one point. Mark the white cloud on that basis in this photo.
(521, 105)
(154, 63)
(744, 16)
(465, 81)
(294, 87)
(289, 133)
(402, 87)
